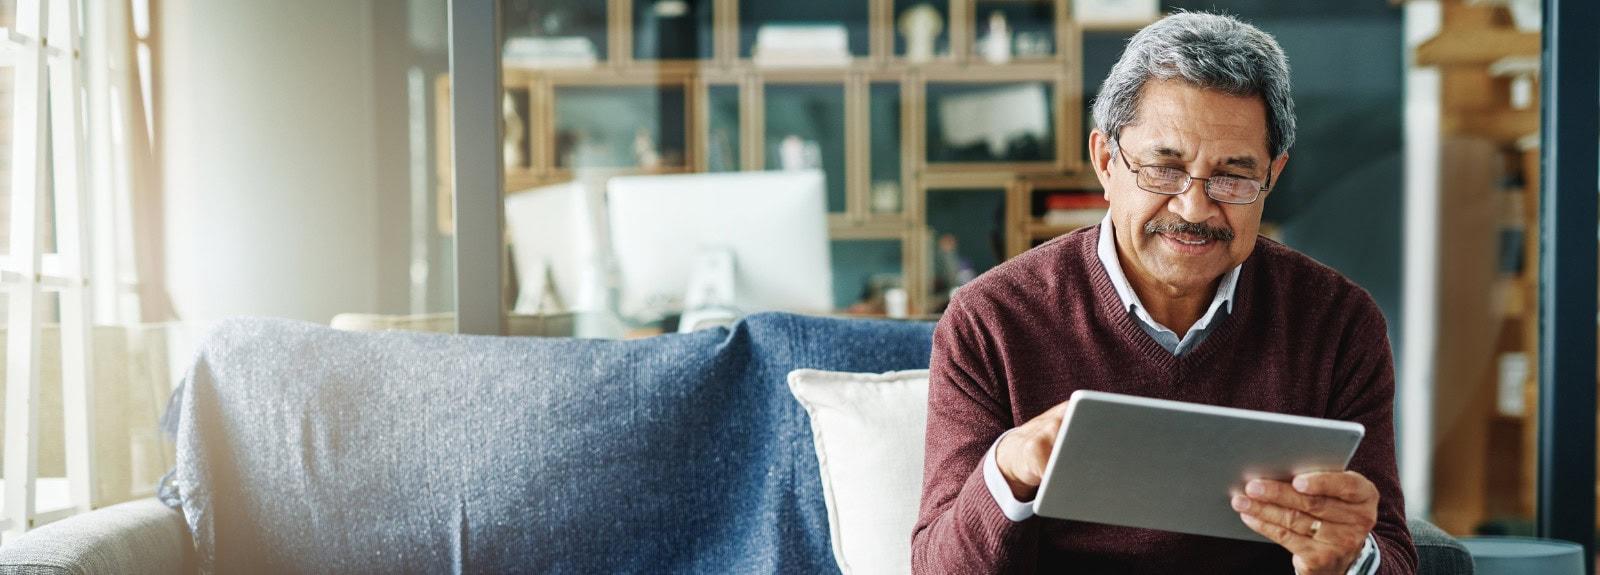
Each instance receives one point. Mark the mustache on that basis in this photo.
(1179, 226)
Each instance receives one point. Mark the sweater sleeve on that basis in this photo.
(961, 528)
(1366, 373)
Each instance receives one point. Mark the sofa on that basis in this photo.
(302, 449)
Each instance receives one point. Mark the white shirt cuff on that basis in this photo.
(1000, 490)
(1367, 563)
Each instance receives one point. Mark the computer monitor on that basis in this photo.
(774, 225)
(557, 239)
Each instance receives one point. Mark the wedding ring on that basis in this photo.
(1315, 527)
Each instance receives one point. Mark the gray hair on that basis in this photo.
(1209, 51)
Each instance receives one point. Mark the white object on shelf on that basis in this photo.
(895, 303)
(1113, 12)
(996, 44)
(801, 45)
(1513, 372)
(995, 116)
(920, 25)
(560, 52)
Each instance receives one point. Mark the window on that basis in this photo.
(76, 116)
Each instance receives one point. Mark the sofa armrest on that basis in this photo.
(1437, 552)
(141, 536)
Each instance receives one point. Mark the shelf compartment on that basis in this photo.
(864, 270)
(723, 135)
(886, 184)
(991, 122)
(1007, 30)
(804, 127)
(968, 233)
(673, 30)
(554, 33)
(852, 16)
(620, 126)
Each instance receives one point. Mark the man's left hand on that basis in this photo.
(1322, 518)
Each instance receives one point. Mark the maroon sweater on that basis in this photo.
(1301, 339)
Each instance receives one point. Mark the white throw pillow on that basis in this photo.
(868, 429)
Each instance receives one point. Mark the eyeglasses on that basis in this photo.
(1169, 181)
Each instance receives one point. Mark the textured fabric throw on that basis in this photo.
(302, 449)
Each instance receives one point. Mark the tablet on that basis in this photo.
(1174, 466)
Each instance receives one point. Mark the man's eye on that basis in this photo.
(1167, 174)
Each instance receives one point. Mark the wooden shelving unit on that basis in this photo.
(854, 218)
(1484, 466)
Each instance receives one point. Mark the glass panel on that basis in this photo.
(619, 126)
(816, 30)
(1003, 122)
(553, 33)
(672, 29)
(723, 139)
(805, 130)
(868, 277)
(886, 188)
(921, 30)
(968, 228)
(1007, 30)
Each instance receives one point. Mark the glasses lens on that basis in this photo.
(1231, 189)
(1162, 180)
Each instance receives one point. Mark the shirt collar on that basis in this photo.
(1107, 248)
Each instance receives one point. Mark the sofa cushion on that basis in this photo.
(306, 449)
(868, 431)
(133, 538)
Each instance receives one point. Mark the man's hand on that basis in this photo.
(1322, 518)
(1024, 451)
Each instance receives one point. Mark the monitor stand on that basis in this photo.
(709, 300)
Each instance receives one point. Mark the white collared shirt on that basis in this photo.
(1221, 305)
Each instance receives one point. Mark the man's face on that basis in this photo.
(1205, 133)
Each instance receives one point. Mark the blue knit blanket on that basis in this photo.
(301, 449)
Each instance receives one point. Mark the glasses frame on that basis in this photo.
(1190, 179)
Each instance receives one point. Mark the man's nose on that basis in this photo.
(1193, 204)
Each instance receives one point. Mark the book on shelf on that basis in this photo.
(1073, 218)
(800, 45)
(1075, 200)
(556, 52)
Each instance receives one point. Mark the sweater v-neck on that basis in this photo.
(1109, 306)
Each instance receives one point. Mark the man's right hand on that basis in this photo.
(1024, 451)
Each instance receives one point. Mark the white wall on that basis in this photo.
(272, 196)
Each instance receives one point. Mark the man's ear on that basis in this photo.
(1277, 170)
(1100, 159)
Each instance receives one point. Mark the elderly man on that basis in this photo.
(1174, 296)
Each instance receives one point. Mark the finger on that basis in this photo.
(1292, 519)
(1039, 448)
(1310, 554)
(1346, 485)
(1296, 543)
(1340, 535)
(1328, 509)
(1052, 415)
